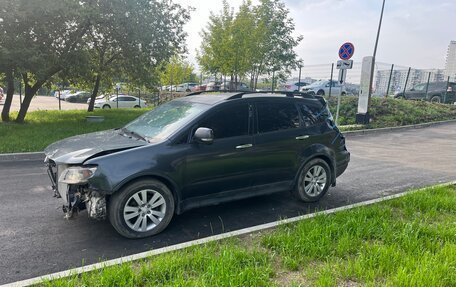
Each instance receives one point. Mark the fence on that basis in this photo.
(388, 78)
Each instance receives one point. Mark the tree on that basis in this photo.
(256, 40)
(39, 38)
(176, 71)
(131, 38)
(86, 40)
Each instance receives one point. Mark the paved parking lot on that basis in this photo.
(44, 103)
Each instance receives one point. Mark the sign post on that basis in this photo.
(346, 51)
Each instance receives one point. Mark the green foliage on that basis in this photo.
(254, 41)
(45, 127)
(402, 242)
(177, 71)
(388, 112)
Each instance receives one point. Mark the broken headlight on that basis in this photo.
(77, 174)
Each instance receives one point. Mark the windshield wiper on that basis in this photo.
(135, 134)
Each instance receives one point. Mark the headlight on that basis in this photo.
(77, 175)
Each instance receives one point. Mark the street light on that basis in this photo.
(375, 50)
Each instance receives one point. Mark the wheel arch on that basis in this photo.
(163, 179)
(322, 156)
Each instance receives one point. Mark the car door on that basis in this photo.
(416, 93)
(278, 140)
(225, 164)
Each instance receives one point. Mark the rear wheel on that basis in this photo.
(321, 93)
(141, 209)
(106, 107)
(313, 181)
(136, 107)
(436, 99)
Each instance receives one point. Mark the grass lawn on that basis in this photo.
(409, 241)
(45, 127)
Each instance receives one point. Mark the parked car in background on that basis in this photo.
(78, 97)
(186, 87)
(195, 151)
(437, 92)
(63, 94)
(100, 97)
(121, 101)
(321, 88)
(231, 86)
(292, 86)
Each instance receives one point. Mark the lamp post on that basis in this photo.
(375, 50)
(300, 63)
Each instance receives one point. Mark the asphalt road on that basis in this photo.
(36, 240)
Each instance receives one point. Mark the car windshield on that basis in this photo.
(317, 84)
(164, 120)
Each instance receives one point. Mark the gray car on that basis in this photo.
(437, 92)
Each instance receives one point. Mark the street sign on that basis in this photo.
(344, 64)
(342, 76)
(346, 51)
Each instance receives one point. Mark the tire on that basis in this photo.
(400, 98)
(435, 99)
(313, 181)
(122, 205)
(188, 90)
(136, 107)
(321, 93)
(105, 107)
(343, 94)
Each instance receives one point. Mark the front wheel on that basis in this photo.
(105, 107)
(141, 209)
(313, 181)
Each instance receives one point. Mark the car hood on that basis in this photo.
(77, 149)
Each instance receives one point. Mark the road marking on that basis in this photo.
(143, 255)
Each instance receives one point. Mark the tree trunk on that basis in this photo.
(94, 93)
(9, 95)
(28, 96)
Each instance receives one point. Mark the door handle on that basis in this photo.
(302, 137)
(242, 146)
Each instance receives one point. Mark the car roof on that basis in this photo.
(215, 98)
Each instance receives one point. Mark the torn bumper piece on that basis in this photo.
(77, 196)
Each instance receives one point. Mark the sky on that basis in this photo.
(414, 33)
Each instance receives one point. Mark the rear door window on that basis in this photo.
(277, 116)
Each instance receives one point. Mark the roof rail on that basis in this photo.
(239, 94)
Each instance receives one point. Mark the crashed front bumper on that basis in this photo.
(76, 197)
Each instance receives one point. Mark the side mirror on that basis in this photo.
(204, 135)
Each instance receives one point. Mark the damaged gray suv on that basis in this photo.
(202, 149)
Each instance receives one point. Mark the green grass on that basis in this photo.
(409, 241)
(45, 127)
(388, 112)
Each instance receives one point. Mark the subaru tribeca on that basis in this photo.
(202, 149)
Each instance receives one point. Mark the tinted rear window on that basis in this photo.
(277, 116)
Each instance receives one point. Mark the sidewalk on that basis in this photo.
(43, 103)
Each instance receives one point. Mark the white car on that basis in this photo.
(292, 86)
(321, 88)
(186, 87)
(63, 94)
(121, 101)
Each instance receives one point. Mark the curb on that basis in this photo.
(24, 156)
(248, 230)
(390, 129)
(32, 156)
